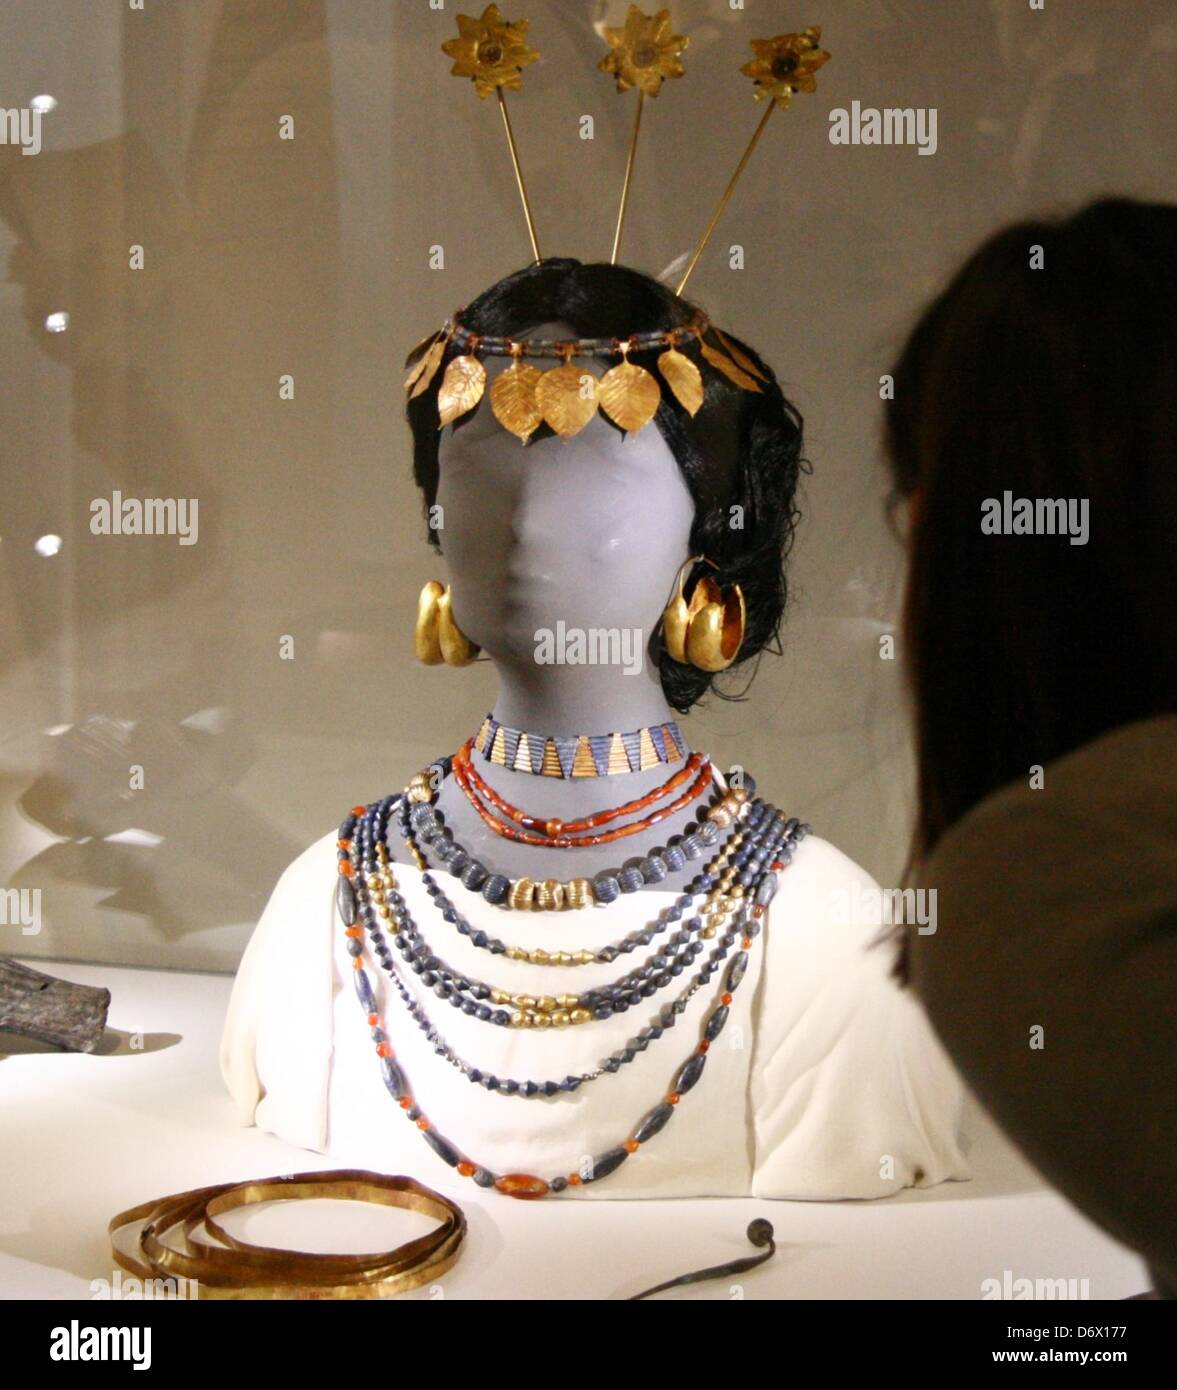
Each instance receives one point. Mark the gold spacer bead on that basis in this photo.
(585, 957)
(561, 958)
(499, 996)
(523, 1001)
(581, 1016)
(518, 1021)
(561, 1018)
(568, 1001)
(541, 1020)
(709, 931)
(516, 953)
(546, 1003)
(540, 957)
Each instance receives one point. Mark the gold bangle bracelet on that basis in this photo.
(237, 1269)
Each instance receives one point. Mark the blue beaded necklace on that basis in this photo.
(771, 841)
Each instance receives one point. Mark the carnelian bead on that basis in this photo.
(466, 1168)
(359, 810)
(405, 1102)
(343, 844)
(525, 1186)
(373, 1020)
(746, 943)
(632, 1146)
(758, 910)
(383, 1050)
(422, 1123)
(703, 1046)
(573, 1179)
(777, 865)
(725, 999)
(357, 963)
(347, 868)
(354, 932)
(673, 1098)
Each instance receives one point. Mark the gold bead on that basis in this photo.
(581, 1016)
(585, 957)
(547, 1003)
(539, 956)
(499, 996)
(561, 958)
(541, 1020)
(518, 1021)
(523, 1001)
(720, 815)
(561, 1018)
(579, 893)
(516, 953)
(568, 1001)
(551, 895)
(522, 895)
(709, 931)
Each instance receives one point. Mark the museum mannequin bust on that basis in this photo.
(809, 1075)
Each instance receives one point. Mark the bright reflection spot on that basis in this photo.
(56, 730)
(48, 545)
(57, 323)
(134, 837)
(43, 103)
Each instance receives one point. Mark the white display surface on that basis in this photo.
(83, 1137)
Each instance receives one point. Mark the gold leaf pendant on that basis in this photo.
(722, 363)
(630, 396)
(420, 348)
(513, 400)
(683, 378)
(567, 398)
(461, 389)
(426, 369)
(741, 359)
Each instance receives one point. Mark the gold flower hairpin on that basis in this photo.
(492, 53)
(642, 54)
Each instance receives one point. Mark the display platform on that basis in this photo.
(85, 1136)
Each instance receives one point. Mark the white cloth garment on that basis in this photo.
(826, 1083)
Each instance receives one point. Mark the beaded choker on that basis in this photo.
(580, 755)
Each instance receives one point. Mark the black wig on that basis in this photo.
(742, 449)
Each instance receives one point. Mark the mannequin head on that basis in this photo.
(592, 530)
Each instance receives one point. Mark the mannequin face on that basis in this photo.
(589, 531)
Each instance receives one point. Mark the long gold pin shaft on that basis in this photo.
(518, 173)
(633, 148)
(727, 193)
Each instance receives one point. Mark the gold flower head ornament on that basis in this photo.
(785, 65)
(491, 52)
(644, 52)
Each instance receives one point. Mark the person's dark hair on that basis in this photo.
(741, 448)
(1051, 382)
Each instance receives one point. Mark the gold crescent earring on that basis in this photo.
(437, 638)
(708, 631)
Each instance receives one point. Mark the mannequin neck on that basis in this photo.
(571, 699)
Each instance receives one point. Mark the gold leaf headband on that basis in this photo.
(643, 53)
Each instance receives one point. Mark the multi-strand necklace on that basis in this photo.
(736, 887)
